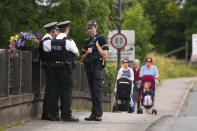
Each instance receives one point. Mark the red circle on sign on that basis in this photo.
(113, 37)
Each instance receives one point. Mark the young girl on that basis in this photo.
(147, 95)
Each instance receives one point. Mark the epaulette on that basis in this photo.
(47, 38)
(67, 38)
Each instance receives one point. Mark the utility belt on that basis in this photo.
(96, 63)
(61, 65)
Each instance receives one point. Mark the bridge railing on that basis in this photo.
(22, 85)
(20, 75)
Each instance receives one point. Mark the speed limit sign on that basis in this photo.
(118, 41)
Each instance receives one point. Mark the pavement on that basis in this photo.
(169, 101)
(186, 112)
(172, 94)
(190, 107)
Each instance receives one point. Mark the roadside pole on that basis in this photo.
(119, 31)
(186, 52)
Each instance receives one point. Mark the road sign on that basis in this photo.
(118, 41)
(129, 34)
(127, 53)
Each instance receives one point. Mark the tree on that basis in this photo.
(189, 18)
(17, 16)
(165, 16)
(135, 19)
(24, 15)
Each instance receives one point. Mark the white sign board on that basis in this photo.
(118, 41)
(128, 52)
(194, 48)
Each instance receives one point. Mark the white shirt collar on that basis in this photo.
(61, 35)
(47, 35)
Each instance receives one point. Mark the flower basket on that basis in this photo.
(26, 41)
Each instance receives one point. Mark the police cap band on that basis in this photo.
(50, 26)
(63, 24)
(91, 23)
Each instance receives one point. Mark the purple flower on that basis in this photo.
(25, 35)
(39, 35)
(34, 33)
(30, 31)
(19, 42)
(22, 44)
(29, 37)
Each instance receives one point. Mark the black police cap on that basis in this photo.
(91, 23)
(63, 24)
(50, 26)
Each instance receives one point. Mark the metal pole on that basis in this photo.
(120, 16)
(119, 31)
(186, 52)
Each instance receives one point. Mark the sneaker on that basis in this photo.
(70, 119)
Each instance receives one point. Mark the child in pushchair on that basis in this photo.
(123, 95)
(147, 97)
(148, 93)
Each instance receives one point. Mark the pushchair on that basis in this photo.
(123, 95)
(151, 79)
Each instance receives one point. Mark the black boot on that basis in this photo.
(70, 119)
(90, 118)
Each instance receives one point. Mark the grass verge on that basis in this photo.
(170, 67)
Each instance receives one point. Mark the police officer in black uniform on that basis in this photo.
(64, 51)
(45, 58)
(94, 53)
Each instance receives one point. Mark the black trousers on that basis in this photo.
(62, 88)
(95, 81)
(47, 95)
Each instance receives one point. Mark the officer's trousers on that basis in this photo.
(95, 81)
(47, 95)
(62, 86)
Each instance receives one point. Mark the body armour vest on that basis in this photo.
(91, 43)
(44, 56)
(59, 52)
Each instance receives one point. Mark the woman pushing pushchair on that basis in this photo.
(149, 74)
(124, 88)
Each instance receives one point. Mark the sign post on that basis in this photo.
(119, 30)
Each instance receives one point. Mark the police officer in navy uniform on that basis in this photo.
(94, 53)
(64, 51)
(45, 58)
